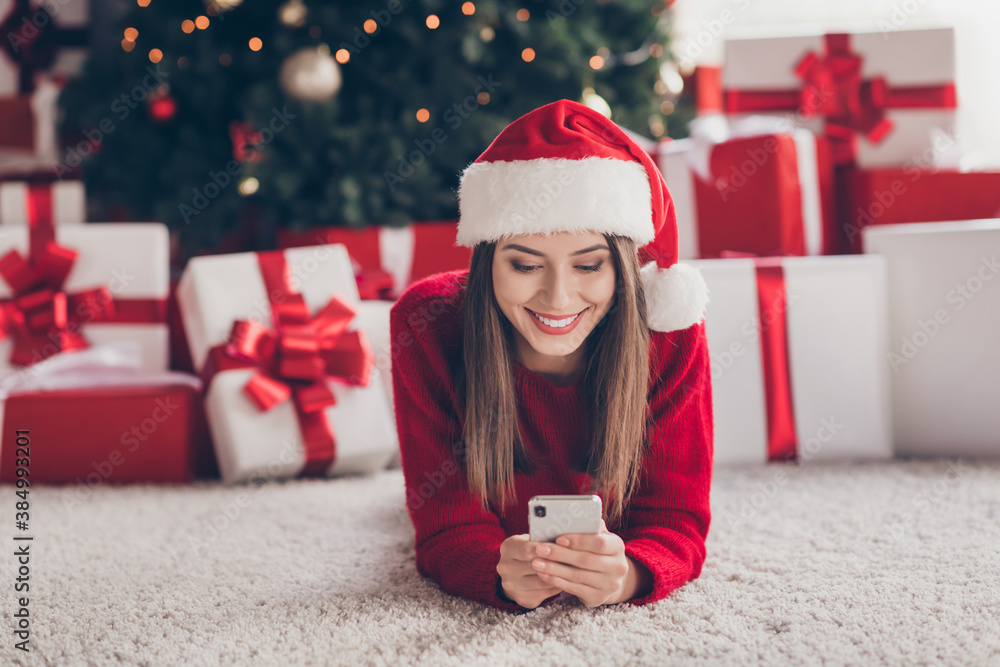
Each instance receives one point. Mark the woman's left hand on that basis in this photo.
(594, 568)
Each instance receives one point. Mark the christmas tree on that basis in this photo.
(301, 114)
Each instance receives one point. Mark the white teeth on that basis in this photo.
(558, 324)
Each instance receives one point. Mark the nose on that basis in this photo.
(558, 287)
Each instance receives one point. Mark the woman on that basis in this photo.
(555, 365)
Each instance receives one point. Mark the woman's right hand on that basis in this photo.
(518, 578)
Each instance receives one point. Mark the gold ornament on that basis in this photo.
(292, 13)
(311, 74)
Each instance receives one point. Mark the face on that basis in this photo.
(554, 290)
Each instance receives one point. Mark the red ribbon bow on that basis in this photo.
(40, 315)
(296, 358)
(834, 89)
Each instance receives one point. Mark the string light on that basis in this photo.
(371, 26)
(183, 62)
(596, 62)
(131, 34)
(523, 15)
(486, 34)
(483, 98)
(127, 45)
(666, 107)
(155, 56)
(201, 22)
(423, 115)
(528, 55)
(343, 56)
(225, 59)
(187, 26)
(143, 3)
(433, 21)
(249, 186)
(256, 44)
(468, 8)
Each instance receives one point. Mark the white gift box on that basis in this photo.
(373, 319)
(944, 315)
(837, 336)
(131, 259)
(67, 201)
(215, 291)
(756, 62)
(64, 15)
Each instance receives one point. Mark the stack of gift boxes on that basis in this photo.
(850, 265)
(849, 259)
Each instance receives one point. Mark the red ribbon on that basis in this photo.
(851, 106)
(782, 441)
(31, 40)
(41, 317)
(295, 359)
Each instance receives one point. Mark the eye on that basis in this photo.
(591, 268)
(524, 268)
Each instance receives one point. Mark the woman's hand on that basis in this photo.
(519, 580)
(594, 568)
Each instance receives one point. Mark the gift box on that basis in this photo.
(39, 37)
(28, 131)
(79, 418)
(944, 314)
(883, 99)
(70, 287)
(797, 348)
(290, 385)
(373, 319)
(53, 202)
(767, 193)
(388, 259)
(893, 196)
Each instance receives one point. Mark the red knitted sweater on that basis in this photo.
(457, 542)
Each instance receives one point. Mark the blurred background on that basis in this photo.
(297, 114)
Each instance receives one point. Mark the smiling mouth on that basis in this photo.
(556, 323)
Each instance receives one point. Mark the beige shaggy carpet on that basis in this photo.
(869, 563)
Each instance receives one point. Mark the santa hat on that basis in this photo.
(566, 168)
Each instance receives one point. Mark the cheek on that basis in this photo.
(602, 292)
(512, 291)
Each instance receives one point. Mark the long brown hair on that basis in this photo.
(615, 381)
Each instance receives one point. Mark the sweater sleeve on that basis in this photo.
(457, 541)
(667, 519)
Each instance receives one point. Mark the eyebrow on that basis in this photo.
(515, 246)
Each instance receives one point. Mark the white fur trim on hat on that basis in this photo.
(675, 297)
(545, 195)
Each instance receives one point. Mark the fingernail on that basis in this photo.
(543, 550)
(563, 541)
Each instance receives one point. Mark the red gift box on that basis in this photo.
(764, 194)
(143, 428)
(893, 196)
(405, 254)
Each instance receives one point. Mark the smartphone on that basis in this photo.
(552, 516)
